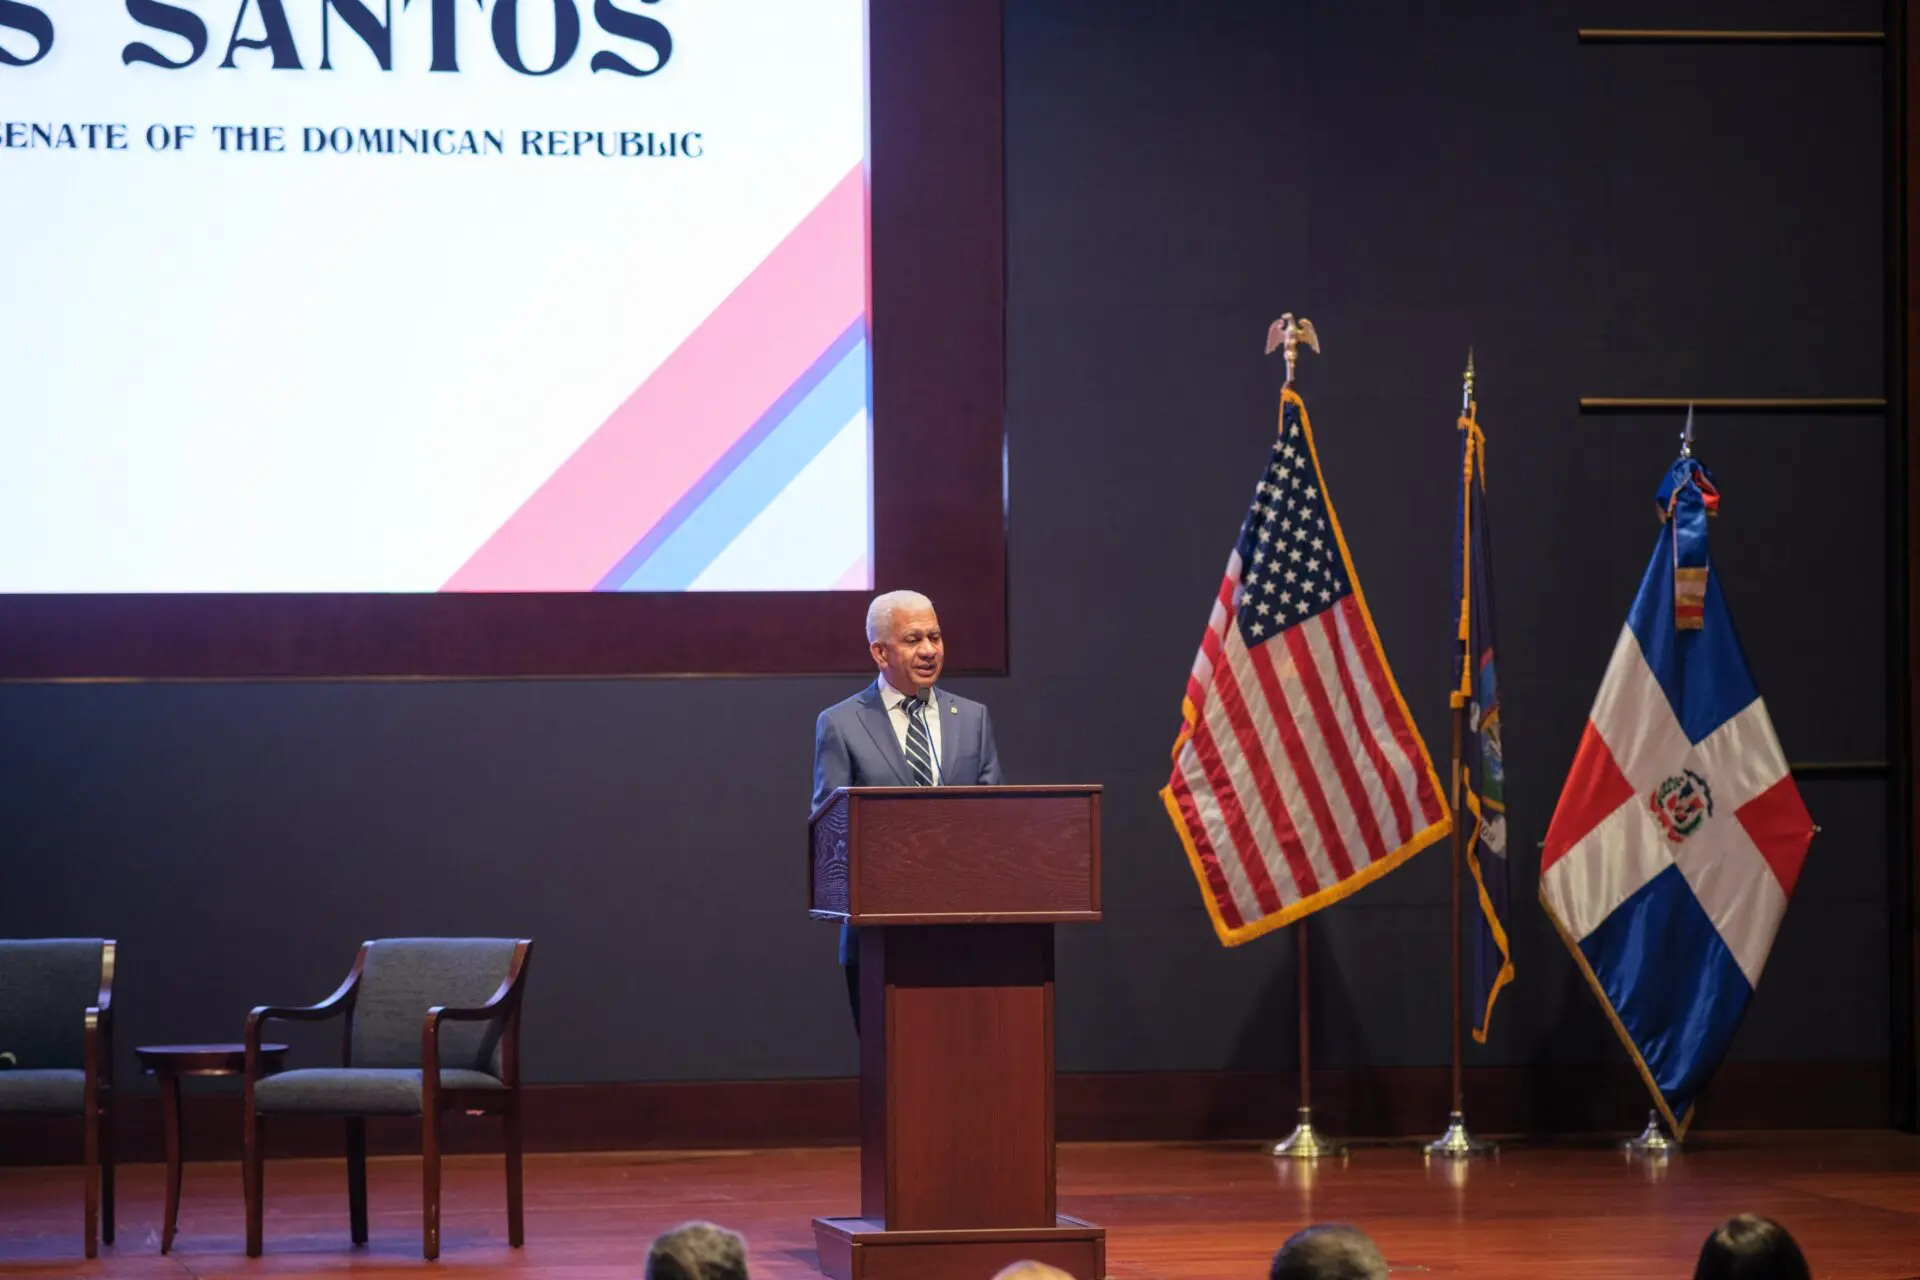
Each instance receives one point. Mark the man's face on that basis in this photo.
(912, 656)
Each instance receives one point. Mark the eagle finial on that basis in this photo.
(1288, 333)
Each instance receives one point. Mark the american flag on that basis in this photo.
(1298, 775)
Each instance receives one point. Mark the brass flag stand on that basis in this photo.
(1305, 1142)
(1654, 1140)
(1457, 1143)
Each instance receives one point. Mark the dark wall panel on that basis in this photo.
(1414, 178)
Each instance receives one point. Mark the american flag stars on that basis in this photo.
(1288, 519)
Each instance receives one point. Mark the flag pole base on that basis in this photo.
(1654, 1140)
(1307, 1142)
(1457, 1144)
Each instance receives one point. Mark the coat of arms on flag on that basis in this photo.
(1680, 833)
(1298, 775)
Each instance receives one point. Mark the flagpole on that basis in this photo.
(1459, 705)
(1306, 1028)
(1305, 1142)
(1655, 1140)
(1456, 1143)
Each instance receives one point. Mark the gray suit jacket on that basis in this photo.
(854, 745)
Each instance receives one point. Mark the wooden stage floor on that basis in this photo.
(1191, 1212)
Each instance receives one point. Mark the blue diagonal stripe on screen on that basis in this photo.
(617, 578)
(673, 562)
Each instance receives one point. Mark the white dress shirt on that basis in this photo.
(896, 712)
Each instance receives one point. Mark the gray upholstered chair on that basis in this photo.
(56, 1032)
(433, 1025)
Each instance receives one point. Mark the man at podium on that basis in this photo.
(900, 731)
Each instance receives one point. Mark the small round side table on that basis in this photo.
(167, 1063)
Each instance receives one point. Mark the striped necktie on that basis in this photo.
(919, 742)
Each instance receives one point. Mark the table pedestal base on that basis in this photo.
(863, 1249)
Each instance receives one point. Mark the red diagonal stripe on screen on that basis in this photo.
(695, 406)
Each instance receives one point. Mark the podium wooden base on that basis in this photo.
(955, 892)
(863, 1249)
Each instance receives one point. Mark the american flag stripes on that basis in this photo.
(1298, 775)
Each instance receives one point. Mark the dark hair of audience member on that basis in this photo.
(1328, 1252)
(1750, 1247)
(698, 1251)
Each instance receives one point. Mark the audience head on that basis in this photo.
(698, 1251)
(1031, 1271)
(1750, 1247)
(1329, 1252)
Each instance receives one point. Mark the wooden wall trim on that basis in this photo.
(1825, 406)
(1680, 35)
(1399, 1102)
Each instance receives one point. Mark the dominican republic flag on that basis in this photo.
(1298, 775)
(1679, 834)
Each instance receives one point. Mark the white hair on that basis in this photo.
(880, 612)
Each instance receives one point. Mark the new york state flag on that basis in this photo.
(1679, 833)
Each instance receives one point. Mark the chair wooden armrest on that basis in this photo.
(340, 1002)
(503, 1003)
(103, 1003)
(100, 1018)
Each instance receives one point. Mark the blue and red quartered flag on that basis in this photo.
(1483, 788)
(1680, 833)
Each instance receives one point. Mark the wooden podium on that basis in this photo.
(955, 892)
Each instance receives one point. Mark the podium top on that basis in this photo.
(956, 855)
(1060, 789)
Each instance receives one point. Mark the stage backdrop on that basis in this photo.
(1594, 221)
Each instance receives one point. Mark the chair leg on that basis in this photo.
(430, 1181)
(106, 1170)
(170, 1127)
(516, 1215)
(357, 1177)
(252, 1181)
(92, 1159)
